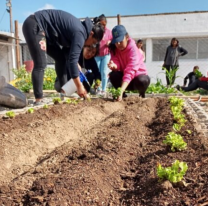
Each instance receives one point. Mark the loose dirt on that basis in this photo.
(99, 153)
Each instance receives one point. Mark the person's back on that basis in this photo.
(191, 76)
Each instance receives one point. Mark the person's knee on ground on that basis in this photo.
(115, 78)
(141, 83)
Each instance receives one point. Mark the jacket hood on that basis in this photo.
(87, 23)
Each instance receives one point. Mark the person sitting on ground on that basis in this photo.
(202, 82)
(128, 69)
(62, 36)
(191, 76)
(88, 65)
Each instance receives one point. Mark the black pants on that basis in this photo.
(169, 67)
(34, 36)
(140, 82)
(195, 85)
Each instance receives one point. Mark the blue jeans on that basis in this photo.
(102, 62)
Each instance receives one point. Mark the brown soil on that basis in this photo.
(98, 153)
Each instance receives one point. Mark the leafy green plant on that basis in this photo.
(198, 74)
(115, 92)
(175, 141)
(45, 106)
(171, 74)
(24, 83)
(68, 101)
(177, 127)
(174, 174)
(175, 101)
(56, 100)
(159, 88)
(30, 110)
(10, 114)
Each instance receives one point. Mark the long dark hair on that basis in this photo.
(174, 39)
(140, 41)
(97, 28)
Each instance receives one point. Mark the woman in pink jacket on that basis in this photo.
(104, 54)
(128, 69)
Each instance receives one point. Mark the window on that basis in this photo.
(197, 48)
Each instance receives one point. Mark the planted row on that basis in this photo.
(175, 141)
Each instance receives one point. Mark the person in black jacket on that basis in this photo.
(62, 36)
(173, 52)
(191, 77)
(88, 66)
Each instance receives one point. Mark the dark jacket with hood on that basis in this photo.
(63, 29)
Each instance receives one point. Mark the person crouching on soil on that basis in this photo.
(62, 36)
(128, 69)
(88, 65)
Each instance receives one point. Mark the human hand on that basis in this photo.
(82, 92)
(120, 98)
(112, 65)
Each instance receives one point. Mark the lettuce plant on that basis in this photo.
(115, 92)
(174, 173)
(10, 114)
(175, 141)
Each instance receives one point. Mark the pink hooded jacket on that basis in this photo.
(130, 61)
(104, 50)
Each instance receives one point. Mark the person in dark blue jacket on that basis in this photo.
(62, 36)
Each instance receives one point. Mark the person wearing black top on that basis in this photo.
(88, 65)
(191, 77)
(62, 36)
(173, 52)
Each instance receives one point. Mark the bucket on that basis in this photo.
(29, 65)
(69, 88)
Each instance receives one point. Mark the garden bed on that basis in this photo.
(99, 153)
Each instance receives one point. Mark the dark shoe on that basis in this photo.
(125, 95)
(178, 87)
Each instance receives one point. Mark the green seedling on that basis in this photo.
(198, 74)
(45, 106)
(171, 74)
(175, 141)
(115, 92)
(188, 131)
(174, 101)
(68, 101)
(177, 127)
(174, 174)
(10, 114)
(56, 100)
(30, 110)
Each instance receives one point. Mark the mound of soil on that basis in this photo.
(99, 153)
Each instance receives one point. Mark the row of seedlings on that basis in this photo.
(177, 170)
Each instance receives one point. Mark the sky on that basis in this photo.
(91, 8)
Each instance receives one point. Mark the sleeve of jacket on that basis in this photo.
(182, 51)
(134, 62)
(73, 53)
